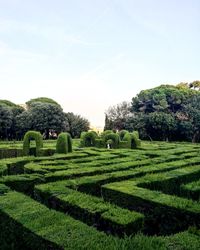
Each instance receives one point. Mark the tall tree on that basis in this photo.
(6, 117)
(116, 116)
(76, 124)
(164, 112)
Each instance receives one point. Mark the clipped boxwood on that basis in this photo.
(88, 139)
(106, 132)
(64, 143)
(132, 140)
(114, 137)
(99, 143)
(122, 134)
(26, 143)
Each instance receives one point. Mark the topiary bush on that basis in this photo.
(122, 134)
(106, 132)
(64, 143)
(114, 137)
(88, 139)
(99, 143)
(132, 139)
(26, 142)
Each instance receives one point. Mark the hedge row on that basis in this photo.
(164, 213)
(22, 183)
(10, 152)
(92, 184)
(123, 139)
(191, 190)
(171, 181)
(89, 209)
(87, 171)
(64, 143)
(27, 224)
(26, 142)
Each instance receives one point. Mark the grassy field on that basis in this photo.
(147, 198)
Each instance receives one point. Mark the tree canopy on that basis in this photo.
(166, 112)
(76, 124)
(41, 114)
(42, 100)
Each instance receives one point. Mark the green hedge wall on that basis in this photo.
(114, 137)
(88, 139)
(64, 143)
(26, 143)
(10, 152)
(122, 134)
(132, 139)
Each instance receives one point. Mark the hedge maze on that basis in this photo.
(95, 198)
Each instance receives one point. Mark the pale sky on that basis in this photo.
(90, 54)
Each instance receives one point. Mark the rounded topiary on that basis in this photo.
(88, 139)
(64, 143)
(26, 142)
(132, 139)
(122, 134)
(106, 132)
(136, 134)
(114, 137)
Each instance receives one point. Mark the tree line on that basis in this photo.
(42, 114)
(166, 112)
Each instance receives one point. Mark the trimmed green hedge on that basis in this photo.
(89, 209)
(163, 213)
(115, 140)
(122, 134)
(10, 152)
(191, 190)
(132, 140)
(88, 139)
(26, 143)
(64, 143)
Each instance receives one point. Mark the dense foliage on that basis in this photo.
(166, 112)
(110, 139)
(41, 114)
(32, 135)
(116, 116)
(76, 124)
(64, 143)
(96, 199)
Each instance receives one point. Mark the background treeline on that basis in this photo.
(166, 112)
(41, 114)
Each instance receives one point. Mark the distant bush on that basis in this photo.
(64, 143)
(28, 137)
(114, 137)
(122, 134)
(132, 140)
(88, 139)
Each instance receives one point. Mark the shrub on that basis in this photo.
(99, 143)
(26, 143)
(88, 139)
(114, 137)
(10, 152)
(132, 140)
(106, 132)
(64, 143)
(123, 144)
(136, 134)
(122, 134)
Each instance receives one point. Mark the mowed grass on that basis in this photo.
(95, 198)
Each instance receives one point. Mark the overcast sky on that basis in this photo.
(90, 54)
